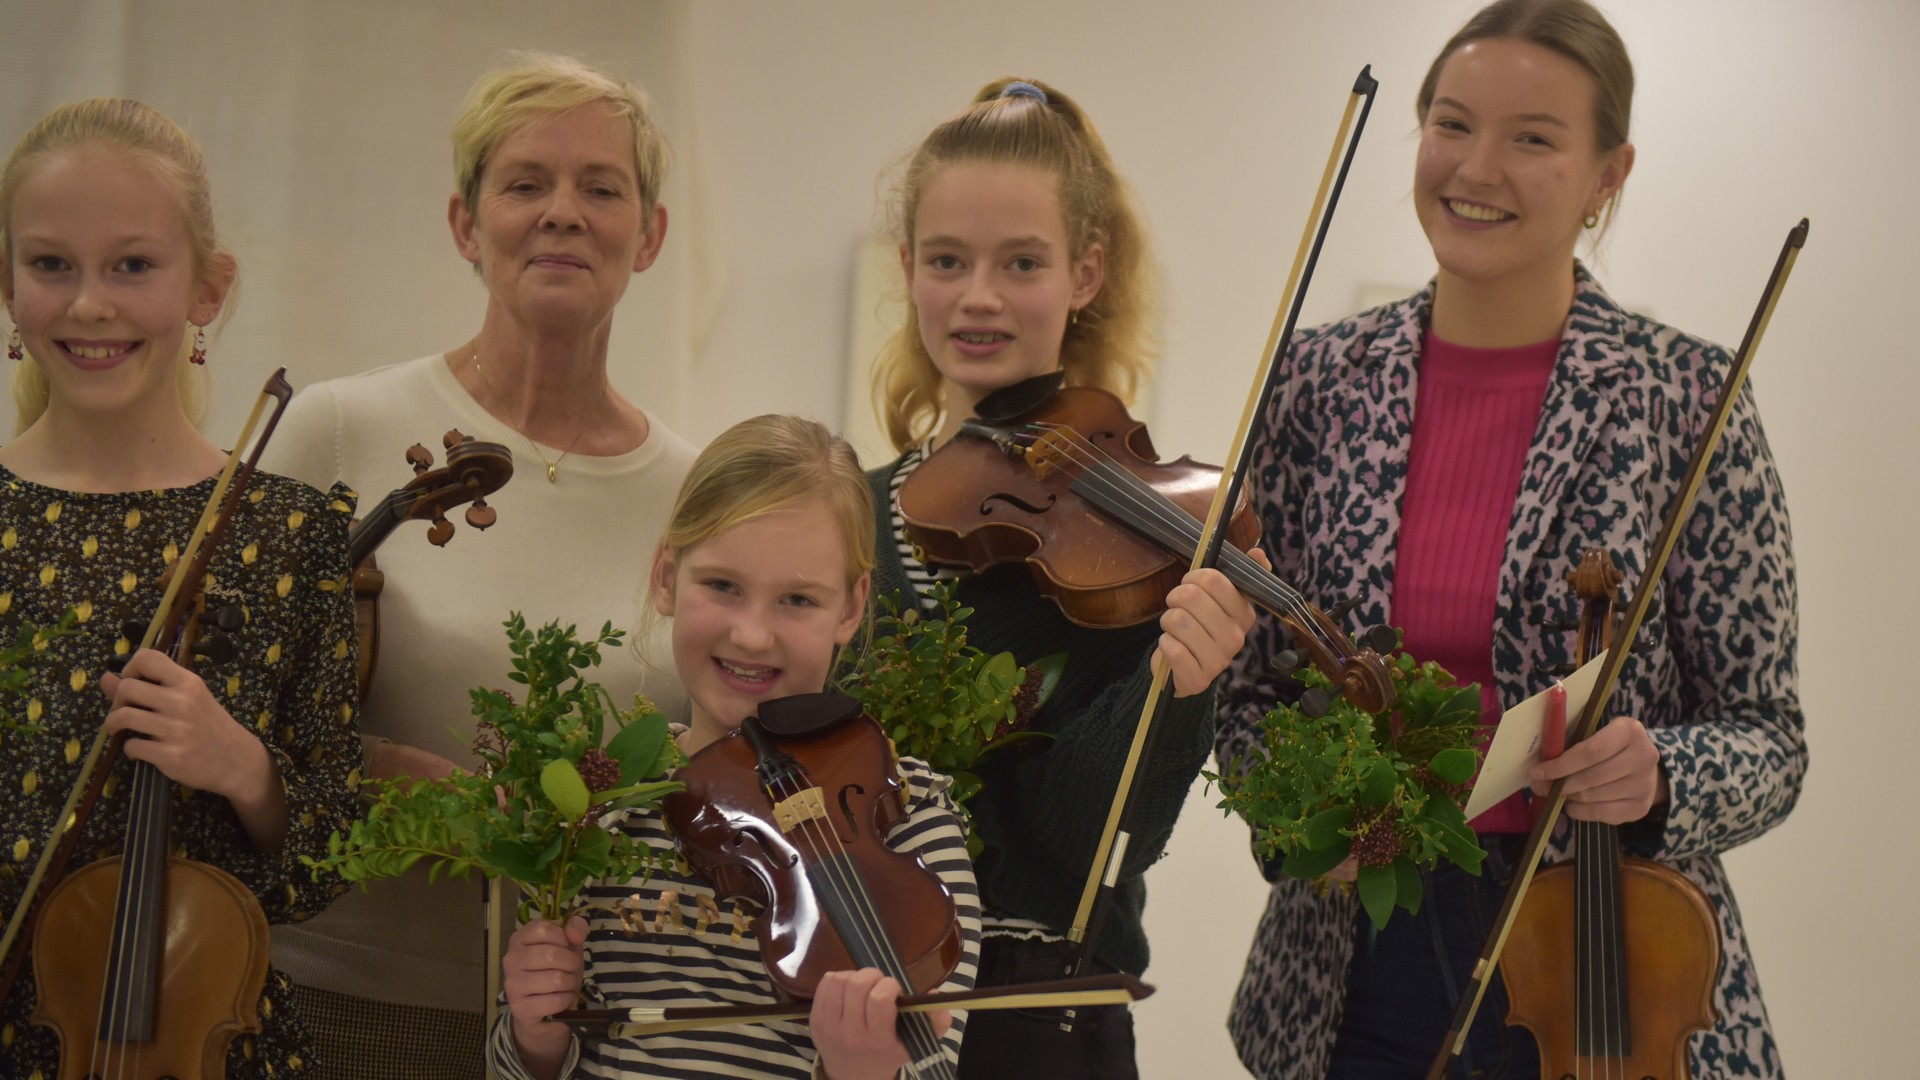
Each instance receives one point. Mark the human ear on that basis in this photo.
(1613, 174)
(906, 262)
(217, 280)
(460, 220)
(856, 612)
(1089, 273)
(660, 580)
(656, 235)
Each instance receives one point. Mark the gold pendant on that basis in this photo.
(553, 472)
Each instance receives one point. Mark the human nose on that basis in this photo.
(1480, 164)
(980, 295)
(751, 631)
(562, 210)
(91, 302)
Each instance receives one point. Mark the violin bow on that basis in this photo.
(1120, 989)
(212, 522)
(1096, 898)
(1616, 657)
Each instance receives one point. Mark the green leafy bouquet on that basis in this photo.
(939, 698)
(531, 812)
(1385, 789)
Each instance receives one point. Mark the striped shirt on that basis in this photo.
(664, 941)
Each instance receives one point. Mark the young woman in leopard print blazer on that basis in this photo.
(1387, 424)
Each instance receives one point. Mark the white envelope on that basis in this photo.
(1516, 740)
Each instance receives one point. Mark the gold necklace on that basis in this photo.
(553, 466)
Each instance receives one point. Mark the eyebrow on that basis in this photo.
(1006, 245)
(1524, 118)
(118, 242)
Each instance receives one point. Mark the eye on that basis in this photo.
(134, 264)
(1025, 264)
(723, 586)
(522, 187)
(800, 600)
(47, 264)
(943, 262)
(1531, 139)
(1449, 124)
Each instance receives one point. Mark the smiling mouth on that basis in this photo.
(98, 352)
(987, 338)
(1474, 212)
(757, 674)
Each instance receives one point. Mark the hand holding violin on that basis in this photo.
(1613, 776)
(541, 974)
(1203, 628)
(192, 739)
(853, 1025)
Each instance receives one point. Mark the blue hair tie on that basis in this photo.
(1025, 90)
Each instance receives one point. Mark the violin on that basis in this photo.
(1612, 959)
(474, 470)
(791, 813)
(148, 963)
(1043, 474)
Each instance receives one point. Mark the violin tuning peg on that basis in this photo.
(118, 664)
(1315, 702)
(1563, 625)
(440, 531)
(133, 630)
(454, 438)
(1381, 639)
(420, 458)
(1339, 612)
(218, 648)
(229, 617)
(480, 515)
(1287, 660)
(1561, 671)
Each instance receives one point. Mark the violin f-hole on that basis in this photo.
(849, 821)
(986, 504)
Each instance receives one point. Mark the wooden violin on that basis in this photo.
(1043, 475)
(474, 470)
(1612, 959)
(147, 964)
(791, 813)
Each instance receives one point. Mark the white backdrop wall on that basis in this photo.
(326, 123)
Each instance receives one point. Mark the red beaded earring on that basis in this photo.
(199, 354)
(15, 351)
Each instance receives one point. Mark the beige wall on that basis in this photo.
(326, 126)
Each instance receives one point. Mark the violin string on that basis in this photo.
(1149, 504)
(118, 979)
(871, 932)
(1120, 485)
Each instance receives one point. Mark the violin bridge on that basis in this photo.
(791, 813)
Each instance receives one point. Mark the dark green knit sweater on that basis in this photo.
(1045, 802)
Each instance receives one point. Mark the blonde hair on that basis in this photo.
(537, 86)
(767, 464)
(173, 158)
(1576, 30)
(1111, 344)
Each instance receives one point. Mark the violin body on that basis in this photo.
(970, 504)
(1671, 945)
(726, 827)
(212, 970)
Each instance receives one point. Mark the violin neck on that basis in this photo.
(132, 985)
(370, 531)
(1600, 1001)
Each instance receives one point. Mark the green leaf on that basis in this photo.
(1377, 784)
(1410, 891)
(561, 783)
(1456, 765)
(1050, 667)
(507, 858)
(1379, 889)
(1325, 828)
(1312, 863)
(638, 746)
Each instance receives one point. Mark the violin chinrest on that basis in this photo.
(1012, 402)
(800, 715)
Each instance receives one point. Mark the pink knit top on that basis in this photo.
(1474, 417)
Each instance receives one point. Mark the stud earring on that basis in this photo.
(1592, 220)
(199, 354)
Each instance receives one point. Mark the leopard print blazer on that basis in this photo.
(1715, 678)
